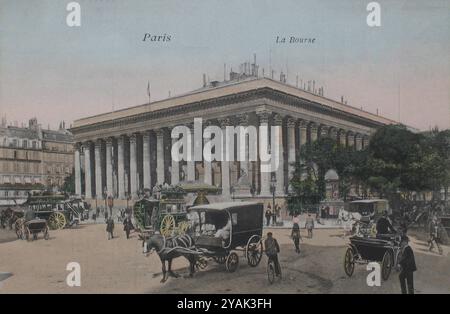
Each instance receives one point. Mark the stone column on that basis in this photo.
(98, 170)
(225, 165)
(191, 159)
(342, 137)
(109, 166)
(146, 160)
(280, 190)
(313, 132)
(365, 141)
(133, 166)
(160, 174)
(175, 172)
(264, 116)
(87, 170)
(333, 134)
(358, 140)
(242, 120)
(121, 167)
(291, 148)
(207, 164)
(350, 139)
(303, 125)
(77, 166)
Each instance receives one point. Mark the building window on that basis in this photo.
(25, 144)
(33, 144)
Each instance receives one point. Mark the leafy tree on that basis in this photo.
(69, 183)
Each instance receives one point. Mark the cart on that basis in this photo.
(384, 249)
(32, 228)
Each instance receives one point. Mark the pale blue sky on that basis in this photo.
(55, 72)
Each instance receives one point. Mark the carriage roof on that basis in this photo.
(228, 206)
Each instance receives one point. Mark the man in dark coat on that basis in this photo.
(110, 228)
(127, 226)
(272, 249)
(384, 226)
(268, 215)
(408, 267)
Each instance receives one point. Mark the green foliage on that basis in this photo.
(396, 162)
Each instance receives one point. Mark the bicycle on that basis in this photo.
(271, 274)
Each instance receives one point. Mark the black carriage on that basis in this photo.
(385, 249)
(221, 229)
(33, 227)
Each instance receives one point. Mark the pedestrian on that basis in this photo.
(272, 249)
(110, 228)
(94, 217)
(434, 235)
(408, 267)
(128, 225)
(268, 215)
(296, 236)
(309, 225)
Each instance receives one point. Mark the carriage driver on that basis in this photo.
(384, 226)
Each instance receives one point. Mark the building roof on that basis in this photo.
(230, 88)
(58, 136)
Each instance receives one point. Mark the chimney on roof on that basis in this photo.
(204, 80)
(342, 99)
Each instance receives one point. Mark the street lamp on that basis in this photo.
(273, 187)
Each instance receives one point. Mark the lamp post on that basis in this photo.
(273, 187)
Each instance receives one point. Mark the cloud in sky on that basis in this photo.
(56, 72)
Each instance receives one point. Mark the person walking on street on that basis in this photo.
(408, 267)
(434, 235)
(110, 228)
(296, 236)
(127, 225)
(268, 215)
(272, 249)
(309, 225)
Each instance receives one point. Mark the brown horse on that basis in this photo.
(170, 248)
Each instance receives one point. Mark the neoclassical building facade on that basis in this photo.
(121, 153)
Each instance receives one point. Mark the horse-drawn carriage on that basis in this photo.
(165, 212)
(221, 229)
(31, 229)
(384, 249)
(216, 231)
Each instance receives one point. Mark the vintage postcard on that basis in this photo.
(224, 148)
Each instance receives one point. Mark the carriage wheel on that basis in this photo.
(386, 265)
(57, 221)
(232, 262)
(27, 234)
(18, 227)
(254, 250)
(167, 225)
(183, 226)
(220, 259)
(349, 262)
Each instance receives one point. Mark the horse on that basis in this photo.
(170, 248)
